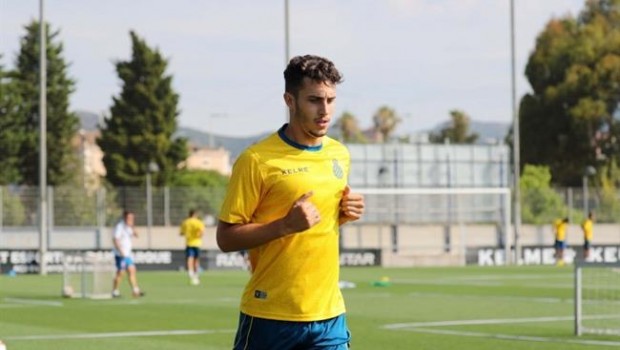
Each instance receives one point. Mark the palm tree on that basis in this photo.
(385, 120)
(458, 130)
(349, 129)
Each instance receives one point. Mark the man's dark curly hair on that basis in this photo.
(316, 68)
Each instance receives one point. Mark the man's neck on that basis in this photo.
(298, 135)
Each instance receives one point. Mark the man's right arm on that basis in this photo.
(233, 237)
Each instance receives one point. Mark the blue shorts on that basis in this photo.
(123, 263)
(587, 244)
(560, 244)
(192, 252)
(255, 333)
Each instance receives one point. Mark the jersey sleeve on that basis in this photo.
(244, 190)
(118, 231)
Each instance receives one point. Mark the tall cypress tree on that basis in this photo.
(10, 133)
(142, 120)
(61, 124)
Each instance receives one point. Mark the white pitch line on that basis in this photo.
(11, 306)
(470, 278)
(415, 325)
(513, 298)
(474, 322)
(33, 302)
(496, 297)
(423, 327)
(118, 334)
(477, 283)
(516, 337)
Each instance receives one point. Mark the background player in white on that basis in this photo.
(123, 233)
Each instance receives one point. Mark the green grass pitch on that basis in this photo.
(422, 308)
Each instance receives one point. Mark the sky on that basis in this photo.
(423, 58)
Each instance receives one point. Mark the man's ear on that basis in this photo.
(289, 99)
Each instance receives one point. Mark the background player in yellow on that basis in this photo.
(287, 197)
(192, 229)
(587, 227)
(559, 229)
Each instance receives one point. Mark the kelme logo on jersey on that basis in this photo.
(259, 294)
(294, 171)
(338, 172)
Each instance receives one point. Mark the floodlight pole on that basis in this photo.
(287, 56)
(515, 144)
(42, 142)
(152, 167)
(211, 123)
(588, 171)
(586, 195)
(149, 208)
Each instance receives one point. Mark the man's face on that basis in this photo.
(313, 107)
(129, 220)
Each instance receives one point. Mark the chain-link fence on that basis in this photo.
(77, 207)
(543, 206)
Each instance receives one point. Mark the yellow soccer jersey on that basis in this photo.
(587, 227)
(560, 229)
(294, 278)
(192, 229)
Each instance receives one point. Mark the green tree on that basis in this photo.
(570, 119)
(142, 120)
(607, 205)
(199, 178)
(61, 124)
(203, 190)
(539, 202)
(457, 131)
(13, 211)
(349, 129)
(385, 121)
(11, 135)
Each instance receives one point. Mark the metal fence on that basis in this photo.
(543, 206)
(76, 207)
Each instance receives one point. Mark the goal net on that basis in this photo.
(87, 275)
(597, 298)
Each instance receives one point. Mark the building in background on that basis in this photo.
(205, 158)
(90, 157)
(418, 165)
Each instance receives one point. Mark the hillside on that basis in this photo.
(89, 122)
(487, 131)
(235, 145)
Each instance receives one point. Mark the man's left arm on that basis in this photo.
(201, 231)
(351, 206)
